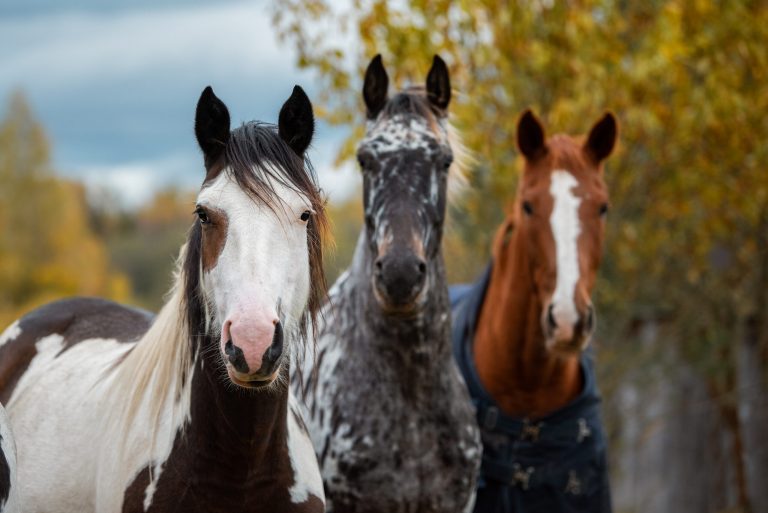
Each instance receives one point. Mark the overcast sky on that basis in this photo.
(115, 83)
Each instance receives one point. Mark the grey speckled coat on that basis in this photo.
(389, 415)
(388, 411)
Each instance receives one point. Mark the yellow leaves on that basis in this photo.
(47, 248)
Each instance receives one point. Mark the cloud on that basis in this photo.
(116, 90)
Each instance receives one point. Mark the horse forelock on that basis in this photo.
(408, 119)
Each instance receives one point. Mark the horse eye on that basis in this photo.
(603, 209)
(202, 215)
(447, 163)
(527, 208)
(305, 215)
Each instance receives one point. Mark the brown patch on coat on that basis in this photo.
(214, 237)
(75, 319)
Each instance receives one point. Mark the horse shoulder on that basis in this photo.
(73, 320)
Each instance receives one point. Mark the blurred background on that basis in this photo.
(99, 168)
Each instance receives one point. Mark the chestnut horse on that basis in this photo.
(9, 501)
(520, 333)
(388, 411)
(190, 412)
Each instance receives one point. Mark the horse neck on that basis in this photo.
(426, 333)
(236, 428)
(509, 344)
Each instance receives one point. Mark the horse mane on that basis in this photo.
(158, 368)
(413, 101)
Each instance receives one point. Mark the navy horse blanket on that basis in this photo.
(549, 465)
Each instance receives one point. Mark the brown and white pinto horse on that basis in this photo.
(520, 334)
(114, 412)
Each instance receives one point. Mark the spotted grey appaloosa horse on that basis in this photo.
(9, 501)
(389, 413)
(520, 333)
(189, 412)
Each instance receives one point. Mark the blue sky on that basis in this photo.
(115, 83)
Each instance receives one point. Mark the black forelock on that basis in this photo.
(256, 155)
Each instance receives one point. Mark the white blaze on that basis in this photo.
(565, 229)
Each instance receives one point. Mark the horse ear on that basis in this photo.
(530, 136)
(375, 87)
(602, 138)
(439, 84)
(296, 123)
(211, 125)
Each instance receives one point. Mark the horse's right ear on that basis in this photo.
(530, 136)
(211, 125)
(375, 87)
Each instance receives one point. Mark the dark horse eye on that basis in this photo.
(527, 207)
(603, 209)
(305, 215)
(202, 215)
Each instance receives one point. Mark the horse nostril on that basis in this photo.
(551, 317)
(236, 357)
(379, 265)
(422, 267)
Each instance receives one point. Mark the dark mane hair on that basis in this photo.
(257, 157)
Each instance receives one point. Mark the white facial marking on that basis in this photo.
(11, 333)
(306, 475)
(565, 229)
(264, 262)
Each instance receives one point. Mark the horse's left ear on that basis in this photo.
(296, 123)
(439, 84)
(211, 125)
(602, 138)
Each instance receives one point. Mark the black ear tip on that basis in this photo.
(299, 93)
(527, 117)
(438, 61)
(207, 93)
(610, 118)
(376, 64)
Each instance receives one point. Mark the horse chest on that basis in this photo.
(384, 440)
(217, 465)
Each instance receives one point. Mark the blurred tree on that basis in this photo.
(688, 230)
(145, 243)
(47, 248)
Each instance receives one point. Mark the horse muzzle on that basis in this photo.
(253, 347)
(399, 280)
(568, 334)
